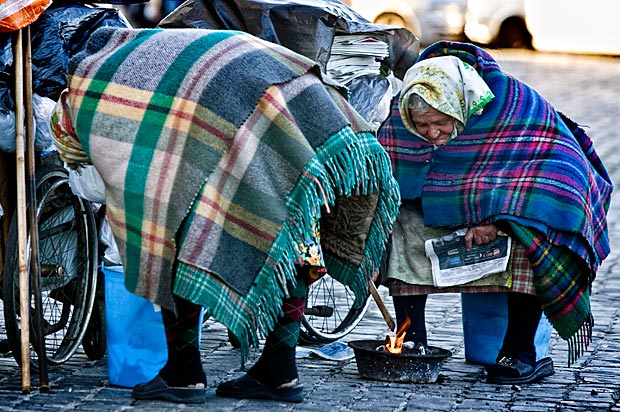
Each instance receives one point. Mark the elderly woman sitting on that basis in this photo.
(475, 149)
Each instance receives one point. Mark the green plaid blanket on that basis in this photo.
(219, 151)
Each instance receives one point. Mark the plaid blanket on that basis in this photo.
(220, 151)
(523, 162)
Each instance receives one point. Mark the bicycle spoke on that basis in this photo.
(322, 325)
(68, 260)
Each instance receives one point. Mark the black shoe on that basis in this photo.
(5, 347)
(509, 371)
(247, 387)
(158, 389)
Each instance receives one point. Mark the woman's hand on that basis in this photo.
(480, 234)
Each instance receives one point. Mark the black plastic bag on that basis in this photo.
(59, 33)
(305, 26)
(7, 74)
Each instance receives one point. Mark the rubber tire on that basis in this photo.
(49, 173)
(94, 341)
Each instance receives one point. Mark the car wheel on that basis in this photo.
(391, 19)
(514, 34)
(395, 19)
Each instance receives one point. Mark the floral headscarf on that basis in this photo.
(448, 85)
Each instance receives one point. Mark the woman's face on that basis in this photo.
(435, 126)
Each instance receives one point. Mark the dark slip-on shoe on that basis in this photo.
(510, 371)
(158, 389)
(247, 387)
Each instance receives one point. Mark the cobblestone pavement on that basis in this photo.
(585, 88)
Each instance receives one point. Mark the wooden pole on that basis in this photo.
(384, 311)
(31, 186)
(24, 287)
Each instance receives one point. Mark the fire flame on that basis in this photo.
(395, 343)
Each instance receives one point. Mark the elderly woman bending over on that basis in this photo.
(478, 151)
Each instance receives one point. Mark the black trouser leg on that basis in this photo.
(184, 366)
(412, 307)
(276, 365)
(524, 312)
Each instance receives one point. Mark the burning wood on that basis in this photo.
(411, 365)
(394, 344)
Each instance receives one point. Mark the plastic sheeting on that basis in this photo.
(307, 27)
(17, 14)
(86, 182)
(59, 33)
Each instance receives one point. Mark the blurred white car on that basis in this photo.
(498, 23)
(429, 20)
(583, 27)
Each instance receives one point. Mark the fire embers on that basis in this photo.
(396, 343)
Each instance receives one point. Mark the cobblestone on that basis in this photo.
(584, 87)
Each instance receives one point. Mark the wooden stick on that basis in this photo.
(384, 311)
(24, 287)
(31, 187)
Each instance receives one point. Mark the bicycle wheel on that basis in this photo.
(68, 260)
(94, 341)
(329, 313)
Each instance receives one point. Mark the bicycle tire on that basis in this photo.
(329, 313)
(68, 259)
(94, 341)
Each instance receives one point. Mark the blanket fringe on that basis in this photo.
(579, 342)
(346, 164)
(373, 176)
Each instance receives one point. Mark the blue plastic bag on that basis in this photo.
(135, 333)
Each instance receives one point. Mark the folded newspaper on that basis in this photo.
(336, 350)
(453, 264)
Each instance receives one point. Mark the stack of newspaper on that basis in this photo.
(354, 55)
